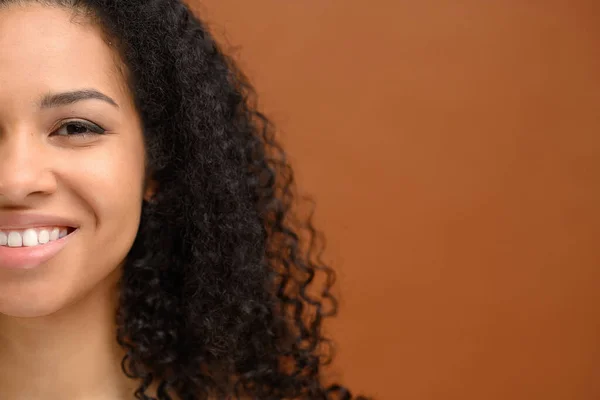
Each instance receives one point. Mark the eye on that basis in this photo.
(79, 128)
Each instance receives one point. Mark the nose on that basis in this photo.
(24, 169)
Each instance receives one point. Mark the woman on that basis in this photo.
(148, 243)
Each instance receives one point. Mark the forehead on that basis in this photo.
(43, 50)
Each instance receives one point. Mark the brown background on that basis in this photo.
(452, 147)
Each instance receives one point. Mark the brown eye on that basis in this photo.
(79, 128)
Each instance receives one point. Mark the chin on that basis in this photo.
(31, 306)
(27, 310)
(39, 298)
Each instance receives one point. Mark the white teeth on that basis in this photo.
(43, 236)
(30, 238)
(15, 239)
(54, 234)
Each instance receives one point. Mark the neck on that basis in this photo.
(71, 354)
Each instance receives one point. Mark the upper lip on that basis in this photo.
(13, 220)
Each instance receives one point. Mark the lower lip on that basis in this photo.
(30, 257)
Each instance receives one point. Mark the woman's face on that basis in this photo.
(58, 79)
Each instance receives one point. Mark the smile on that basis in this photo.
(33, 236)
(27, 249)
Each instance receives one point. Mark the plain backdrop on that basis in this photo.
(453, 149)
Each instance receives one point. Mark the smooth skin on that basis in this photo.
(57, 321)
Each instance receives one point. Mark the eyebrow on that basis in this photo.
(66, 98)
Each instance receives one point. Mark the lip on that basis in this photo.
(25, 258)
(17, 221)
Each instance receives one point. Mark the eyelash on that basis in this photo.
(93, 129)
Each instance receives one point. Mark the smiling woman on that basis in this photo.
(148, 244)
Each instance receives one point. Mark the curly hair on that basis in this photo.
(219, 294)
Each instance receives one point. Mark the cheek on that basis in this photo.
(108, 184)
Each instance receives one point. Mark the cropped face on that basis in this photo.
(71, 162)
